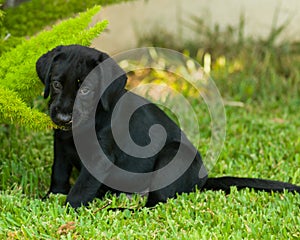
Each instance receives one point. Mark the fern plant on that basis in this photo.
(19, 84)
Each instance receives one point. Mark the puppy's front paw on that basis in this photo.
(75, 203)
(62, 189)
(77, 200)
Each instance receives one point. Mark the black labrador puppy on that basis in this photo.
(63, 71)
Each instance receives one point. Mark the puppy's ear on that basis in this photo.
(44, 65)
(112, 92)
(114, 76)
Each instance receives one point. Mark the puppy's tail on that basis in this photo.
(224, 183)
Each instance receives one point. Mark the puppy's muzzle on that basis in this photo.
(64, 120)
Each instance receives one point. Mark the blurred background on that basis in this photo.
(131, 21)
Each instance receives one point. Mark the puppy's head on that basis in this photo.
(63, 70)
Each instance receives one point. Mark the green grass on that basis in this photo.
(262, 141)
(211, 215)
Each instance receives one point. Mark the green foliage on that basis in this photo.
(2, 29)
(244, 68)
(1, 18)
(13, 110)
(17, 67)
(32, 16)
(6, 40)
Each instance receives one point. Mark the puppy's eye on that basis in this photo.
(57, 85)
(84, 90)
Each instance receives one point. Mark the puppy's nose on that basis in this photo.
(64, 118)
